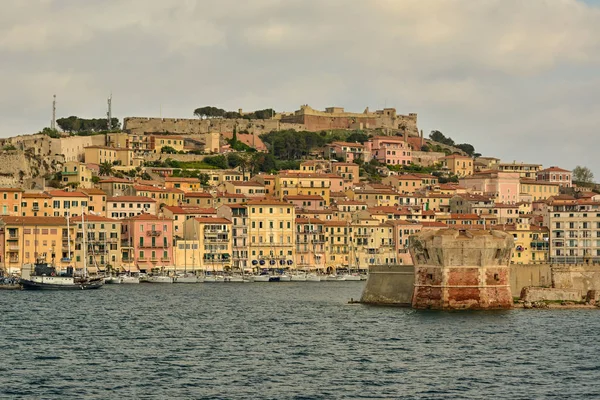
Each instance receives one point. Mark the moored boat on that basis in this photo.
(160, 279)
(45, 277)
(130, 279)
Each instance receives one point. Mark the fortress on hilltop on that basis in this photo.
(306, 118)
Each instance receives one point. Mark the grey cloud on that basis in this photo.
(516, 79)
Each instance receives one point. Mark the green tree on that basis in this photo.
(234, 137)
(168, 150)
(467, 148)
(358, 136)
(219, 161)
(106, 169)
(209, 112)
(583, 175)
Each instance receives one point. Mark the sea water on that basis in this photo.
(284, 341)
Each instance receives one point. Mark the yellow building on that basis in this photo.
(374, 197)
(348, 171)
(458, 165)
(10, 201)
(181, 214)
(214, 242)
(405, 184)
(372, 243)
(113, 155)
(76, 174)
(185, 184)
(248, 189)
(539, 190)
(157, 142)
(302, 183)
(36, 205)
(310, 244)
(25, 239)
(103, 242)
(531, 242)
(200, 199)
(338, 242)
(271, 231)
(169, 197)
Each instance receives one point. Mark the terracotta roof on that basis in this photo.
(148, 217)
(246, 183)
(335, 223)
(93, 191)
(147, 188)
(433, 224)
(11, 189)
(303, 197)
(139, 199)
(198, 195)
(62, 193)
(343, 164)
(348, 144)
(94, 218)
(231, 195)
(534, 182)
(267, 201)
(554, 169)
(350, 203)
(209, 220)
(464, 216)
(116, 180)
(189, 210)
(307, 220)
(40, 195)
(51, 221)
(175, 179)
(502, 205)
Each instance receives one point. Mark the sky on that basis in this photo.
(517, 79)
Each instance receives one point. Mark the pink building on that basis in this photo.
(147, 240)
(389, 150)
(503, 187)
(555, 175)
(347, 151)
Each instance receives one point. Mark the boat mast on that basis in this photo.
(84, 244)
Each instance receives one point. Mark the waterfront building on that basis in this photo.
(129, 206)
(531, 242)
(271, 231)
(103, 242)
(214, 242)
(147, 242)
(338, 240)
(310, 244)
(238, 215)
(372, 243)
(574, 227)
(180, 214)
(23, 240)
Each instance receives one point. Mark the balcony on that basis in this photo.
(69, 173)
(151, 246)
(13, 260)
(35, 208)
(14, 247)
(165, 259)
(154, 259)
(153, 233)
(12, 237)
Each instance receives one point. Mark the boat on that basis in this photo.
(186, 278)
(298, 277)
(44, 276)
(129, 279)
(312, 277)
(284, 277)
(113, 279)
(351, 277)
(9, 283)
(160, 279)
(261, 278)
(234, 278)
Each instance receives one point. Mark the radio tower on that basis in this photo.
(53, 122)
(109, 113)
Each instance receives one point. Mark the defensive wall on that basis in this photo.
(183, 126)
(394, 284)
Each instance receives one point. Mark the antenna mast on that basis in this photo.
(53, 122)
(109, 113)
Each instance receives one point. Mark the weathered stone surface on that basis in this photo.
(536, 294)
(389, 285)
(462, 269)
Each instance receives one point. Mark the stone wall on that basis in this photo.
(391, 285)
(523, 275)
(20, 168)
(533, 294)
(426, 158)
(184, 126)
(582, 277)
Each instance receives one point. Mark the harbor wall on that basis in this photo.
(389, 284)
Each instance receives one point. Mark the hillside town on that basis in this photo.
(317, 191)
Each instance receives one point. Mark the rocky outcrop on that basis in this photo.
(21, 168)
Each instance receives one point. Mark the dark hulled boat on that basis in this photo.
(45, 277)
